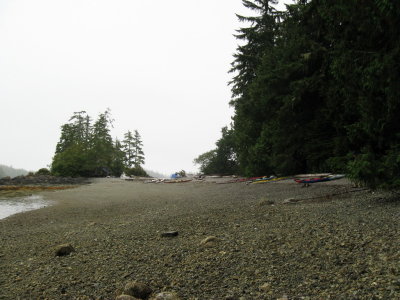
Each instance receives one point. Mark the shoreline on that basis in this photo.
(344, 245)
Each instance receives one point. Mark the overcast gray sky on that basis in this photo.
(160, 66)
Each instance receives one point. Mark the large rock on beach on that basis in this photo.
(137, 289)
(64, 249)
(209, 241)
(291, 201)
(166, 296)
(169, 234)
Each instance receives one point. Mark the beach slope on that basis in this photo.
(234, 241)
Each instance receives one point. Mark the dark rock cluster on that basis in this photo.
(41, 180)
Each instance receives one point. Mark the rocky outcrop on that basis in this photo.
(41, 180)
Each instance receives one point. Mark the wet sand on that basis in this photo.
(336, 243)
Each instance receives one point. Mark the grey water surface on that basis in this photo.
(16, 205)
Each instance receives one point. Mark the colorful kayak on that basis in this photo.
(319, 179)
(250, 179)
(271, 180)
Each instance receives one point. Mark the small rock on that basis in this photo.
(290, 201)
(137, 289)
(209, 241)
(231, 298)
(166, 296)
(63, 250)
(265, 201)
(125, 297)
(265, 287)
(169, 234)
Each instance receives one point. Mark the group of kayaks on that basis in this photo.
(305, 179)
(162, 180)
(302, 178)
(313, 178)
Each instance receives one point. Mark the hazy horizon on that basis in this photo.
(161, 67)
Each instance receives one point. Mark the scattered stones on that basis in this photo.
(64, 249)
(42, 180)
(166, 296)
(303, 250)
(137, 289)
(209, 241)
(125, 297)
(169, 234)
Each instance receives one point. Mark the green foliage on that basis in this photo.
(138, 147)
(133, 147)
(222, 160)
(316, 89)
(205, 161)
(118, 159)
(88, 150)
(136, 171)
(73, 161)
(43, 171)
(129, 149)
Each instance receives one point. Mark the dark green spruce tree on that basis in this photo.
(72, 150)
(259, 38)
(316, 88)
(87, 149)
(222, 160)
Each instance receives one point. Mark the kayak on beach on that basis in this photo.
(319, 179)
(177, 181)
(271, 180)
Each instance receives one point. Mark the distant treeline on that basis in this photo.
(11, 172)
(87, 149)
(315, 88)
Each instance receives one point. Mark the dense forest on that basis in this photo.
(88, 150)
(315, 88)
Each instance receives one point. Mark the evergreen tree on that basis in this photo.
(221, 160)
(73, 148)
(260, 39)
(118, 162)
(102, 148)
(76, 132)
(134, 156)
(316, 88)
(138, 149)
(128, 145)
(88, 150)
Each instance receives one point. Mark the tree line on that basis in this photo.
(87, 149)
(315, 88)
(11, 172)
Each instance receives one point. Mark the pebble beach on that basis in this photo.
(204, 240)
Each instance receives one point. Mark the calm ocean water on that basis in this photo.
(16, 205)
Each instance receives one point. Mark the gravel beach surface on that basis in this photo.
(204, 240)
